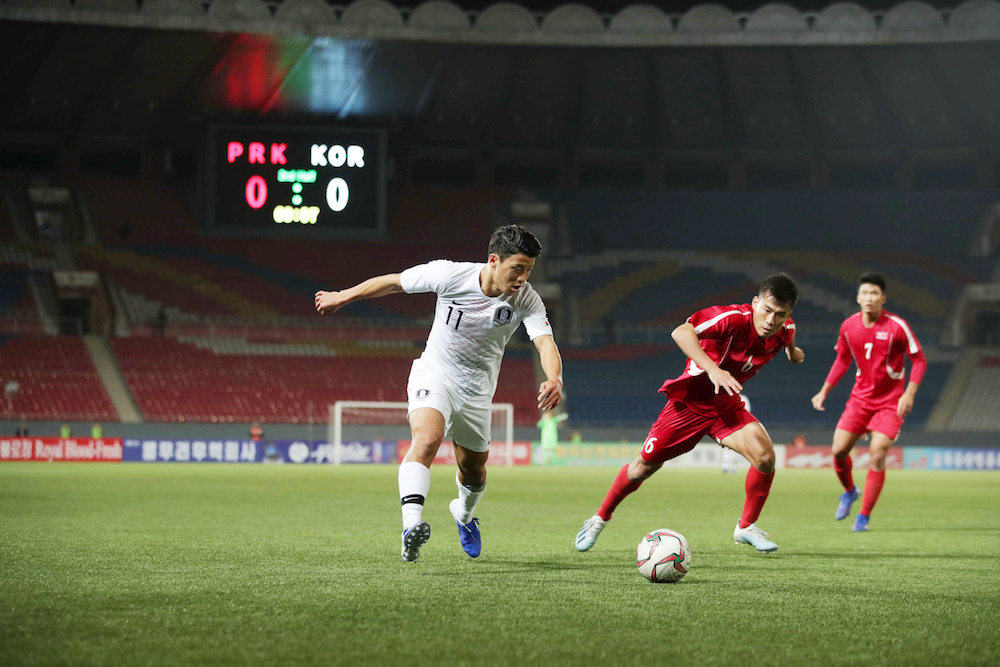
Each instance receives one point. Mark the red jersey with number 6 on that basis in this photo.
(879, 352)
(728, 337)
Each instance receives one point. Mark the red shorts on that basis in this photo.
(678, 429)
(859, 418)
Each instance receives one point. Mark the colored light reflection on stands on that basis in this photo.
(252, 73)
(335, 75)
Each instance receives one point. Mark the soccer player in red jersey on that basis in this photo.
(726, 346)
(879, 342)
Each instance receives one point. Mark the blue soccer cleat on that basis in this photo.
(468, 533)
(860, 524)
(415, 537)
(755, 537)
(847, 499)
(470, 539)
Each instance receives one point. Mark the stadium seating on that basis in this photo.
(633, 294)
(7, 233)
(938, 223)
(617, 385)
(242, 307)
(163, 260)
(57, 378)
(137, 211)
(637, 250)
(16, 293)
(232, 380)
(979, 409)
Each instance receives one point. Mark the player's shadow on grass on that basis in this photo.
(600, 567)
(854, 555)
(550, 564)
(943, 529)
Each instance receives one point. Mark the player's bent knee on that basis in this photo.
(763, 459)
(423, 449)
(765, 466)
(877, 461)
(472, 475)
(641, 469)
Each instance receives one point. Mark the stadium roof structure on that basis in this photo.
(777, 80)
(910, 21)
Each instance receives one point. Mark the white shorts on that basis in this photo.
(465, 424)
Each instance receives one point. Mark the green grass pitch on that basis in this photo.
(286, 565)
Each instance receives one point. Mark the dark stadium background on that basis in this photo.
(664, 176)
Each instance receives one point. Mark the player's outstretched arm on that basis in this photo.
(331, 302)
(550, 391)
(840, 365)
(687, 339)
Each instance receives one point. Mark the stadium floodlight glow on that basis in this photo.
(336, 424)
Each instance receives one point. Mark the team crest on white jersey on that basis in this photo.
(502, 315)
(423, 393)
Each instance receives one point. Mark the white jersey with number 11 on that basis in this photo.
(471, 330)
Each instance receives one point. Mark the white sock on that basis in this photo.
(414, 483)
(468, 498)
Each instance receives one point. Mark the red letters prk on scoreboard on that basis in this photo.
(256, 152)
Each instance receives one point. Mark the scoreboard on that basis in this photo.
(293, 181)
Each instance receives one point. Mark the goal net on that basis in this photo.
(350, 421)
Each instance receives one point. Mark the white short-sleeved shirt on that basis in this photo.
(470, 329)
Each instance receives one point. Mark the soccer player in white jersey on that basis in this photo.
(451, 385)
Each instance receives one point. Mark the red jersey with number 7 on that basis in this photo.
(728, 337)
(879, 352)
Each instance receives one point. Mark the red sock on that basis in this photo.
(620, 488)
(758, 485)
(845, 471)
(873, 487)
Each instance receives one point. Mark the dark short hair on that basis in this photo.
(871, 278)
(781, 287)
(512, 240)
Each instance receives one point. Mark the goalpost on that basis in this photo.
(503, 414)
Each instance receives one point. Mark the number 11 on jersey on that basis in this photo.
(458, 319)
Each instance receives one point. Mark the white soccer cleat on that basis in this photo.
(414, 538)
(755, 537)
(587, 536)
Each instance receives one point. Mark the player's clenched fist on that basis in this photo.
(328, 302)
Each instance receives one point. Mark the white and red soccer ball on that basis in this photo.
(663, 556)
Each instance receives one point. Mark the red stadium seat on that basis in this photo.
(57, 378)
(178, 381)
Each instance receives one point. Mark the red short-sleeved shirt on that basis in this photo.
(728, 337)
(879, 352)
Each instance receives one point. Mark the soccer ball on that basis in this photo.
(663, 556)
